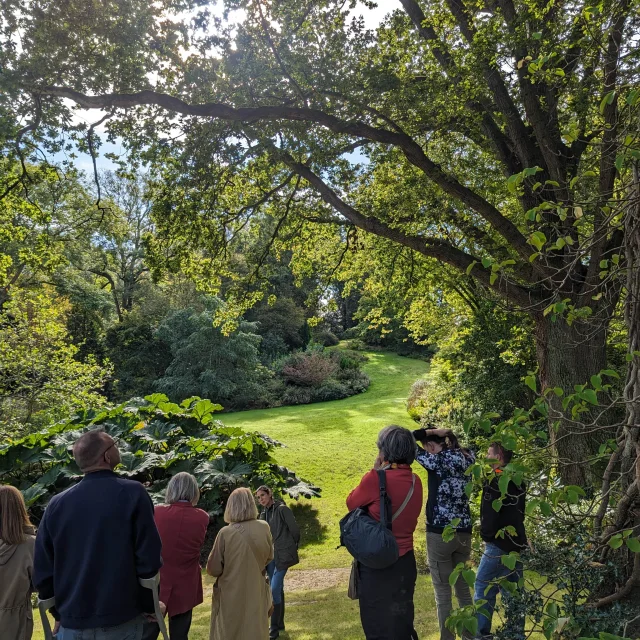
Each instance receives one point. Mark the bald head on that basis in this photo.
(95, 450)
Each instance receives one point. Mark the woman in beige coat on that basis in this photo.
(241, 595)
(17, 539)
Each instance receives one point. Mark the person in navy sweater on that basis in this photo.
(93, 543)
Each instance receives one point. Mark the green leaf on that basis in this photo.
(590, 396)
(32, 494)
(503, 483)
(471, 624)
(616, 541)
(469, 577)
(537, 239)
(530, 381)
(596, 382)
(545, 508)
(497, 505)
(537, 35)
(607, 100)
(470, 267)
(633, 544)
(509, 561)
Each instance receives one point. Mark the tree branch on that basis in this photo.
(411, 149)
(527, 151)
(490, 129)
(430, 247)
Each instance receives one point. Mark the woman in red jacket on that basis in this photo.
(182, 529)
(386, 595)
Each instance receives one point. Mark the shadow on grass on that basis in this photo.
(311, 530)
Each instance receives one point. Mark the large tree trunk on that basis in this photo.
(567, 356)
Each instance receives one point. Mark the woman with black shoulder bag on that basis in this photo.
(386, 594)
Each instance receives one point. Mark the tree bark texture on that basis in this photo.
(569, 355)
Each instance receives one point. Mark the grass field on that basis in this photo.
(332, 444)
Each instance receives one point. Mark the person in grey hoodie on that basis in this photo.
(286, 537)
(17, 540)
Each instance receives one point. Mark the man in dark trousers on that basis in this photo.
(94, 542)
(503, 532)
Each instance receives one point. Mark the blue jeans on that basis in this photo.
(131, 630)
(490, 571)
(276, 580)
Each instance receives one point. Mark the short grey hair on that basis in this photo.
(183, 486)
(397, 445)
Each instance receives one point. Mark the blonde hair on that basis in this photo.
(240, 506)
(13, 515)
(183, 486)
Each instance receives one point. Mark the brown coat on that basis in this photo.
(241, 596)
(16, 567)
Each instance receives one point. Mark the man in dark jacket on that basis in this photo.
(503, 533)
(286, 537)
(94, 542)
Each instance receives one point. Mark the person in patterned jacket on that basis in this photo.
(447, 504)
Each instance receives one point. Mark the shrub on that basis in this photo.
(297, 395)
(206, 362)
(326, 338)
(355, 380)
(348, 359)
(416, 402)
(157, 439)
(331, 390)
(308, 368)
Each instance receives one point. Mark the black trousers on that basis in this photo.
(386, 600)
(179, 626)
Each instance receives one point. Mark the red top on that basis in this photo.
(367, 494)
(182, 529)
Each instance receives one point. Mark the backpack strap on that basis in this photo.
(406, 500)
(384, 498)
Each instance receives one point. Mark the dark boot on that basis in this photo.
(274, 632)
(281, 621)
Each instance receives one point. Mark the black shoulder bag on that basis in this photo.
(371, 542)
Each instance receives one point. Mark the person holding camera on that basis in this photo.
(447, 506)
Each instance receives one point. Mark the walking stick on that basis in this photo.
(152, 583)
(43, 607)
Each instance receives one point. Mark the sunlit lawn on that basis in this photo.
(322, 615)
(333, 444)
